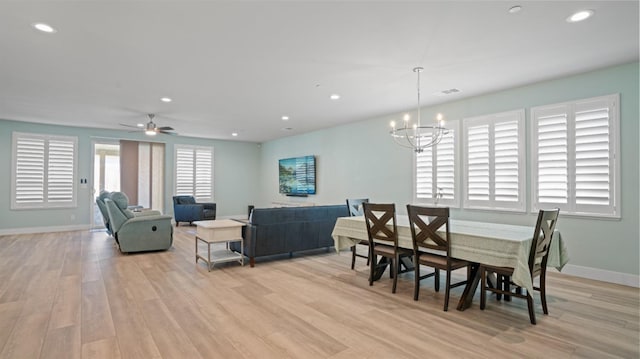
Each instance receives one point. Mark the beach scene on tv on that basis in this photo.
(297, 175)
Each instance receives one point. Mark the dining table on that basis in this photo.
(494, 244)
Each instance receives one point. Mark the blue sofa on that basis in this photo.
(274, 231)
(185, 209)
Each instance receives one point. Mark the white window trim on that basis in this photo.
(455, 202)
(45, 204)
(175, 172)
(570, 208)
(492, 204)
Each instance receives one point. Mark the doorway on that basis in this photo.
(106, 174)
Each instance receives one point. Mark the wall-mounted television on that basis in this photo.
(297, 176)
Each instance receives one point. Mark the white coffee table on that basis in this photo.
(219, 231)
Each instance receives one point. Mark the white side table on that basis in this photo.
(219, 231)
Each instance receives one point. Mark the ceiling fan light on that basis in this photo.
(150, 132)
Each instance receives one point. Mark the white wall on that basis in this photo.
(361, 160)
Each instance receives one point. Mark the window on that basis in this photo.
(194, 172)
(573, 157)
(43, 171)
(436, 171)
(494, 148)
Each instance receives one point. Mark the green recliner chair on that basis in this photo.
(103, 209)
(152, 232)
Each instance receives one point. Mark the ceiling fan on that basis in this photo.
(151, 129)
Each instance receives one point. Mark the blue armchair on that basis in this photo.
(149, 232)
(185, 209)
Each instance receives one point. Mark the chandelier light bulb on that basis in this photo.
(393, 124)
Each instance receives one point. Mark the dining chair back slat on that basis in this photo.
(382, 231)
(356, 209)
(426, 225)
(538, 255)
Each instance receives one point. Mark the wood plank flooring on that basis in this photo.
(73, 295)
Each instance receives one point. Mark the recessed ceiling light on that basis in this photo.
(44, 27)
(166, 99)
(140, 125)
(515, 9)
(580, 16)
(234, 134)
(285, 118)
(334, 96)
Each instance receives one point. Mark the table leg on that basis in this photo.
(380, 268)
(470, 288)
(407, 262)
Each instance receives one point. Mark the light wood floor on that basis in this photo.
(73, 295)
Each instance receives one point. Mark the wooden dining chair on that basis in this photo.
(382, 231)
(432, 248)
(538, 256)
(356, 209)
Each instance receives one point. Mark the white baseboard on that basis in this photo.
(627, 279)
(29, 230)
(233, 216)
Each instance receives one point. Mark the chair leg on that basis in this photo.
(483, 283)
(543, 292)
(395, 268)
(372, 266)
(507, 287)
(353, 257)
(499, 285)
(416, 276)
(392, 268)
(447, 288)
(532, 314)
(437, 279)
(368, 257)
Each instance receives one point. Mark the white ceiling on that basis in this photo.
(240, 66)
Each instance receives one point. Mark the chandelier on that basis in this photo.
(418, 136)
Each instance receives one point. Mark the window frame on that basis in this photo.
(455, 202)
(491, 120)
(571, 208)
(194, 148)
(46, 202)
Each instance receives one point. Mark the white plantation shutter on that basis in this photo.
(204, 174)
(552, 156)
(43, 171)
(194, 172)
(507, 161)
(436, 170)
(60, 171)
(478, 178)
(424, 174)
(593, 185)
(494, 161)
(574, 155)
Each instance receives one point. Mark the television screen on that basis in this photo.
(297, 176)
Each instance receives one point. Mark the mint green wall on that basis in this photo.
(361, 160)
(236, 166)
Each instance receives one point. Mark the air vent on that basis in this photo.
(447, 92)
(450, 91)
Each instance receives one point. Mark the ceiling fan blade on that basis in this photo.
(165, 128)
(168, 133)
(132, 126)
